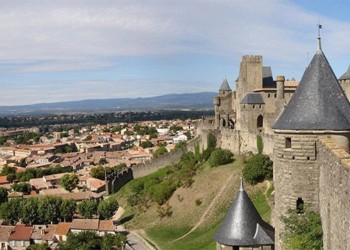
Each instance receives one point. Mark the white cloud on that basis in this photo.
(65, 35)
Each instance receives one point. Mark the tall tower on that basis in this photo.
(318, 109)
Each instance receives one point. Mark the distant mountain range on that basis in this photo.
(195, 101)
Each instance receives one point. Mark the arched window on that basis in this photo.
(300, 206)
(223, 122)
(260, 122)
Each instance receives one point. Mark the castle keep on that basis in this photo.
(306, 130)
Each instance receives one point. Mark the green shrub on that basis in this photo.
(211, 141)
(259, 144)
(198, 202)
(302, 230)
(219, 157)
(258, 168)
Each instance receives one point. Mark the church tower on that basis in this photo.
(318, 109)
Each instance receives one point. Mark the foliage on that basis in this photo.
(3, 195)
(164, 211)
(99, 172)
(10, 211)
(42, 246)
(197, 154)
(160, 151)
(37, 210)
(49, 209)
(6, 170)
(89, 240)
(23, 187)
(11, 177)
(69, 181)
(211, 141)
(38, 173)
(302, 230)
(259, 144)
(107, 208)
(102, 161)
(88, 138)
(29, 210)
(67, 209)
(220, 157)
(258, 168)
(198, 202)
(147, 144)
(181, 145)
(87, 208)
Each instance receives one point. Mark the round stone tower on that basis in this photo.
(318, 108)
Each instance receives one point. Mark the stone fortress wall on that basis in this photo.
(334, 196)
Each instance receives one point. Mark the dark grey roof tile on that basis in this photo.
(319, 103)
(253, 98)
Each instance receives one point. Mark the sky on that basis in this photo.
(63, 50)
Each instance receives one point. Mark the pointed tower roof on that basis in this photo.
(243, 225)
(225, 86)
(346, 75)
(319, 102)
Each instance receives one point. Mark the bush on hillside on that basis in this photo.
(302, 230)
(220, 157)
(258, 169)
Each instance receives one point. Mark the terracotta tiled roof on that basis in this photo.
(63, 228)
(44, 234)
(3, 180)
(85, 224)
(106, 225)
(21, 232)
(94, 183)
(5, 232)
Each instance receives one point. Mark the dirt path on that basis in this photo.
(201, 220)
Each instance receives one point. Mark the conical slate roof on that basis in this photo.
(319, 103)
(243, 225)
(346, 75)
(225, 86)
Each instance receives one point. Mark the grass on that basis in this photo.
(207, 183)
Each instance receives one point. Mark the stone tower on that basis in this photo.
(243, 228)
(344, 81)
(318, 109)
(223, 106)
(250, 78)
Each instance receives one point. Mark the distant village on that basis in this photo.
(32, 164)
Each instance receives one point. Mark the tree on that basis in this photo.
(67, 209)
(42, 246)
(258, 168)
(6, 170)
(87, 208)
(160, 151)
(69, 181)
(88, 138)
(112, 241)
(259, 144)
(98, 173)
(211, 141)
(107, 208)
(49, 209)
(220, 157)
(22, 187)
(29, 211)
(11, 177)
(302, 230)
(10, 211)
(3, 195)
(147, 144)
(85, 240)
(102, 161)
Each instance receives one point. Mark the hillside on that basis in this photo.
(193, 207)
(203, 100)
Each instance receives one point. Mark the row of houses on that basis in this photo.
(20, 236)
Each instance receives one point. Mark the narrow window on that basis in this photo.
(268, 95)
(300, 206)
(253, 106)
(288, 142)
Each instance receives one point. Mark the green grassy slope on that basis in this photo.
(188, 205)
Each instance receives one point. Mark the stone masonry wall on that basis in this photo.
(242, 142)
(334, 195)
(296, 175)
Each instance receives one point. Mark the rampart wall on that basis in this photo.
(116, 181)
(334, 194)
(242, 142)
